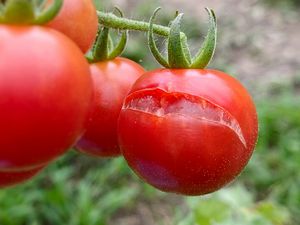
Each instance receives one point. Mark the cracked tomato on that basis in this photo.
(187, 131)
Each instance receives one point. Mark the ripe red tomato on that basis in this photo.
(112, 82)
(8, 179)
(78, 20)
(187, 131)
(45, 95)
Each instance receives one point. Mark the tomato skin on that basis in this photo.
(9, 179)
(45, 95)
(171, 134)
(112, 82)
(79, 21)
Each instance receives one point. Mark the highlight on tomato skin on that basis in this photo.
(45, 96)
(79, 21)
(112, 82)
(9, 179)
(187, 131)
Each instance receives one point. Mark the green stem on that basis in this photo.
(178, 51)
(112, 21)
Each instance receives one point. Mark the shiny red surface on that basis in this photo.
(8, 179)
(168, 142)
(78, 20)
(112, 82)
(45, 95)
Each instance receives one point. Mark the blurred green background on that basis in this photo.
(259, 44)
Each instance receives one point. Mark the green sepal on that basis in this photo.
(120, 46)
(104, 48)
(31, 12)
(176, 54)
(110, 43)
(152, 45)
(1, 6)
(186, 49)
(48, 13)
(89, 56)
(204, 56)
(18, 12)
(101, 49)
(1, 12)
(41, 3)
(179, 55)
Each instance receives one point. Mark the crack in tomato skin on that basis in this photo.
(163, 104)
(187, 131)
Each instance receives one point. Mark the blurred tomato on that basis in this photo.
(112, 82)
(79, 21)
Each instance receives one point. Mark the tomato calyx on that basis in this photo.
(179, 55)
(28, 11)
(104, 47)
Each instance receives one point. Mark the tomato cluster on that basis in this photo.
(46, 89)
(183, 129)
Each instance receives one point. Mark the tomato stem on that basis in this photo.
(113, 21)
(104, 48)
(179, 55)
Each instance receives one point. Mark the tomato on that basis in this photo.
(112, 82)
(187, 131)
(8, 179)
(78, 20)
(45, 95)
